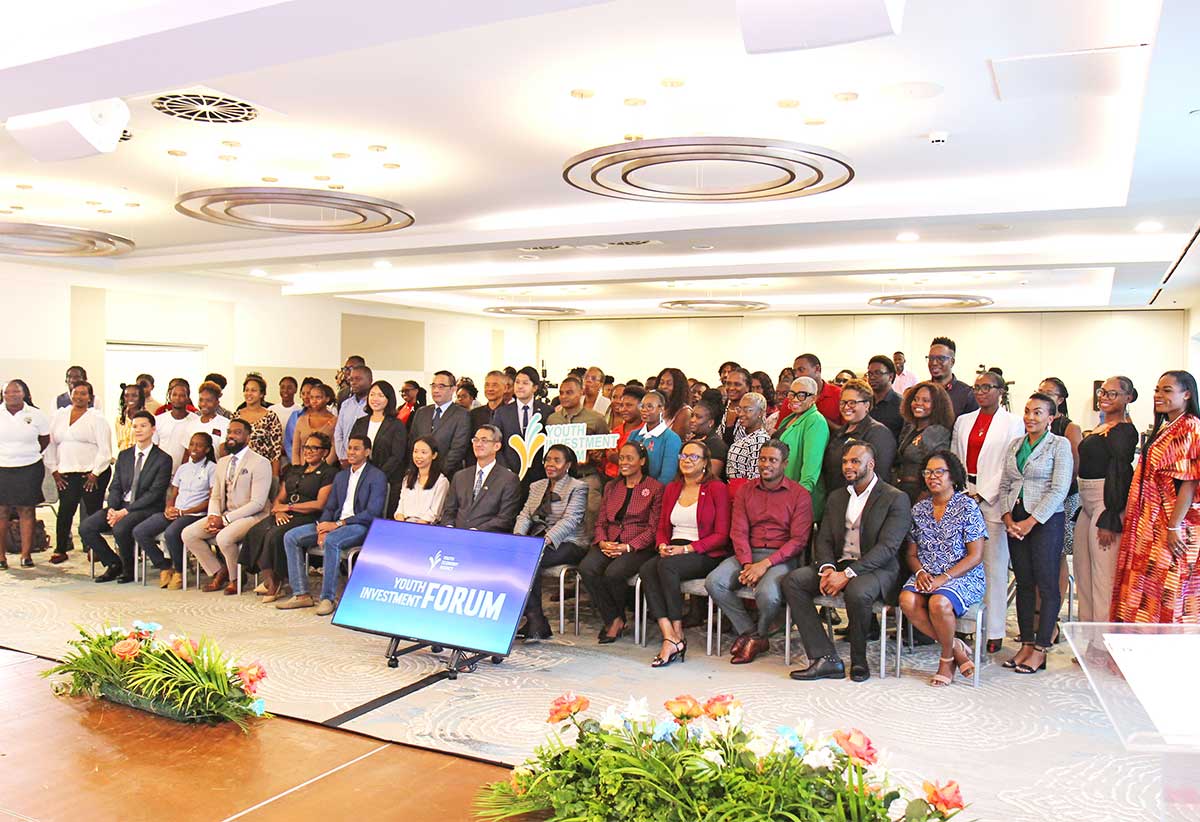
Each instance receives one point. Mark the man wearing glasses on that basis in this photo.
(485, 496)
(806, 434)
(447, 422)
(881, 374)
(941, 371)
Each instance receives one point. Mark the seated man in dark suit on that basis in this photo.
(358, 496)
(137, 492)
(857, 556)
(447, 422)
(486, 496)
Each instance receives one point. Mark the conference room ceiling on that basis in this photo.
(1065, 166)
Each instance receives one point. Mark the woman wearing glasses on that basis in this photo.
(806, 433)
(1105, 472)
(855, 407)
(943, 551)
(928, 420)
(693, 538)
(980, 442)
(1158, 578)
(1054, 388)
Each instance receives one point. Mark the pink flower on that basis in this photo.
(943, 798)
(856, 745)
(684, 708)
(566, 706)
(251, 675)
(184, 648)
(720, 705)
(127, 649)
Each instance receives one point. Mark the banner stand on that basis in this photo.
(461, 659)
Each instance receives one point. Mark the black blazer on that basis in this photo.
(509, 423)
(886, 521)
(389, 449)
(152, 482)
(496, 508)
(453, 434)
(480, 416)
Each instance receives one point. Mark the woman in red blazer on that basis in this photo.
(625, 531)
(693, 538)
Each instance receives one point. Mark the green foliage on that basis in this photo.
(711, 769)
(186, 680)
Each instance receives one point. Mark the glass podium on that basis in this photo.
(1147, 678)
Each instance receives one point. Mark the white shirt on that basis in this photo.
(85, 447)
(602, 404)
(443, 406)
(172, 435)
(903, 382)
(656, 431)
(373, 430)
(521, 413)
(19, 434)
(216, 428)
(145, 452)
(195, 482)
(486, 469)
(284, 412)
(683, 522)
(351, 487)
(854, 507)
(422, 503)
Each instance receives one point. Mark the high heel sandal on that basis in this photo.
(679, 652)
(1012, 661)
(967, 669)
(941, 680)
(605, 639)
(1029, 669)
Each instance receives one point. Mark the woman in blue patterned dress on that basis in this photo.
(945, 551)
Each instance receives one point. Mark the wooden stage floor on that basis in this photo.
(78, 759)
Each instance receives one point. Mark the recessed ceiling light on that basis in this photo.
(376, 148)
(635, 101)
(17, 208)
(528, 257)
(336, 187)
(227, 157)
(391, 165)
(231, 143)
(92, 202)
(382, 264)
(5, 211)
(322, 178)
(814, 121)
(175, 152)
(788, 104)
(672, 82)
(993, 227)
(257, 272)
(629, 138)
(270, 179)
(1148, 227)
(24, 186)
(582, 93)
(341, 155)
(133, 205)
(907, 237)
(104, 211)
(846, 96)
(702, 247)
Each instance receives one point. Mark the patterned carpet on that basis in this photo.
(1022, 747)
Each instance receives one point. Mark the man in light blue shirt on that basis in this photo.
(353, 407)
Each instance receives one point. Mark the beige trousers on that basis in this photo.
(197, 540)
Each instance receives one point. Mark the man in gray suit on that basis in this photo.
(446, 421)
(857, 556)
(486, 496)
(241, 496)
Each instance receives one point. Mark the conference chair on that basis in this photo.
(694, 587)
(971, 622)
(827, 605)
(560, 572)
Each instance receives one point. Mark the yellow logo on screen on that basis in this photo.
(529, 443)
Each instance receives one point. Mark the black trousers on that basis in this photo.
(566, 553)
(91, 532)
(1035, 562)
(262, 547)
(72, 498)
(860, 593)
(607, 579)
(662, 576)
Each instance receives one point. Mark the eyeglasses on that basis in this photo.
(1108, 395)
(803, 395)
(983, 389)
(441, 385)
(690, 457)
(312, 448)
(935, 472)
(938, 358)
(880, 373)
(482, 440)
(851, 403)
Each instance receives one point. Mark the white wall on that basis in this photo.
(1077, 347)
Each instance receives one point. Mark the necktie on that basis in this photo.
(478, 484)
(137, 472)
(231, 475)
(437, 415)
(524, 418)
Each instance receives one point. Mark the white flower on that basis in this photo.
(714, 756)
(761, 747)
(898, 809)
(637, 711)
(611, 719)
(817, 758)
(727, 725)
(877, 774)
(803, 728)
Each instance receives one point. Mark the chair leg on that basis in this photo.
(562, 600)
(787, 635)
(979, 642)
(720, 627)
(709, 631)
(883, 615)
(637, 611)
(899, 639)
(576, 602)
(1070, 597)
(239, 579)
(185, 567)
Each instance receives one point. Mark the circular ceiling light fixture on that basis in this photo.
(533, 310)
(37, 240)
(707, 170)
(720, 306)
(205, 108)
(298, 210)
(930, 301)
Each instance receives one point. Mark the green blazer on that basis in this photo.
(806, 436)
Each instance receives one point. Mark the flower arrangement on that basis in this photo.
(700, 762)
(175, 677)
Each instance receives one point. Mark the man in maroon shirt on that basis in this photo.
(828, 394)
(772, 521)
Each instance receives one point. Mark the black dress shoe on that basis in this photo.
(535, 630)
(124, 580)
(829, 667)
(109, 575)
(860, 673)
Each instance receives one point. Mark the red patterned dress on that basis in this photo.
(1151, 585)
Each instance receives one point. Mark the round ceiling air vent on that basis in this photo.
(930, 301)
(205, 108)
(533, 310)
(714, 305)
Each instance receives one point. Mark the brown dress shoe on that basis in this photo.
(218, 582)
(164, 577)
(754, 646)
(231, 589)
(739, 644)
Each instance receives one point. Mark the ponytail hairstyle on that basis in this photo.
(210, 451)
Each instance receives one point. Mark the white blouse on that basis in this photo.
(80, 448)
(683, 522)
(19, 434)
(424, 504)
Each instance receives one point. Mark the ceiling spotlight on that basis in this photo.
(257, 272)
(174, 152)
(814, 121)
(629, 138)
(846, 96)
(376, 148)
(672, 82)
(322, 178)
(24, 186)
(391, 165)
(907, 237)
(92, 202)
(336, 187)
(788, 104)
(1023, 282)
(104, 211)
(133, 205)
(17, 208)
(582, 93)
(341, 155)
(270, 179)
(227, 157)
(635, 101)
(231, 144)
(1148, 227)
(382, 264)
(528, 257)
(702, 248)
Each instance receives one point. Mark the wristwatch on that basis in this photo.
(340, 523)
(849, 572)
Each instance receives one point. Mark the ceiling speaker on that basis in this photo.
(71, 132)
